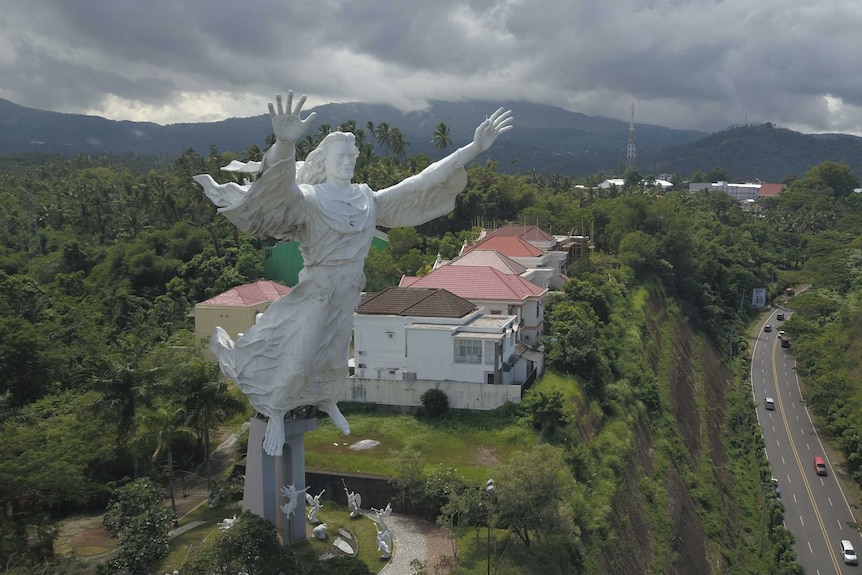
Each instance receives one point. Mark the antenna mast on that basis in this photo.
(631, 153)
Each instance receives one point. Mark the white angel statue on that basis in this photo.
(315, 507)
(292, 495)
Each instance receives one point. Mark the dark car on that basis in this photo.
(767, 327)
(780, 317)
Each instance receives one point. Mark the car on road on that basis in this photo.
(769, 403)
(777, 489)
(767, 328)
(780, 317)
(848, 553)
(819, 465)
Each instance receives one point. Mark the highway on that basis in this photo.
(816, 509)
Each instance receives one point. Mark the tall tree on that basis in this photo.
(398, 143)
(209, 399)
(124, 387)
(161, 425)
(533, 494)
(441, 136)
(383, 135)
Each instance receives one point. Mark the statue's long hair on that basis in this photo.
(313, 170)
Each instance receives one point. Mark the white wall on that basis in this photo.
(478, 396)
(379, 342)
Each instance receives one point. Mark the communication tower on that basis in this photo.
(631, 153)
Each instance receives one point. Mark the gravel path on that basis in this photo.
(414, 539)
(409, 544)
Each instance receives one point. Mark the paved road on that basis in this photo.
(816, 509)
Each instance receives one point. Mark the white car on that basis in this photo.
(848, 552)
(769, 403)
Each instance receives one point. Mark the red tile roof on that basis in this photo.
(490, 258)
(511, 246)
(528, 233)
(479, 283)
(416, 302)
(770, 190)
(247, 295)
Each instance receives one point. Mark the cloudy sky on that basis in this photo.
(699, 64)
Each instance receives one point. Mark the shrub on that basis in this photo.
(434, 403)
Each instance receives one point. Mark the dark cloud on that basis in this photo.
(701, 64)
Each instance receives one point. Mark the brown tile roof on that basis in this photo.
(770, 190)
(511, 246)
(490, 258)
(480, 283)
(528, 233)
(416, 302)
(247, 295)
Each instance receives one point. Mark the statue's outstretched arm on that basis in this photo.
(485, 134)
(288, 127)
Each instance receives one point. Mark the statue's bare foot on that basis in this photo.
(337, 417)
(273, 440)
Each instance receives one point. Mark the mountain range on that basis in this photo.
(547, 140)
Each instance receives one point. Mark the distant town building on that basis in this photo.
(743, 192)
(619, 183)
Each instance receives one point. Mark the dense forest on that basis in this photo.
(102, 260)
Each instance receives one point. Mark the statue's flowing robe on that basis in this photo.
(297, 353)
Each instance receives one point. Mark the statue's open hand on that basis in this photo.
(499, 122)
(286, 123)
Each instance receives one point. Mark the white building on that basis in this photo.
(498, 292)
(409, 340)
(740, 192)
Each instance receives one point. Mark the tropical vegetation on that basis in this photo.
(103, 394)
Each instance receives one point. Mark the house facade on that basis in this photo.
(235, 310)
(409, 340)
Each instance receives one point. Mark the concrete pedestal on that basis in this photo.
(265, 475)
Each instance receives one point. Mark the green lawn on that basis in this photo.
(469, 442)
(182, 545)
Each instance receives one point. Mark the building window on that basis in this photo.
(468, 351)
(490, 352)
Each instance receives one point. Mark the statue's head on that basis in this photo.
(335, 157)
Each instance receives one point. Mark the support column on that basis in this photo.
(265, 475)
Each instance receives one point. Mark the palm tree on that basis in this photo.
(398, 143)
(208, 400)
(124, 387)
(383, 135)
(160, 427)
(441, 137)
